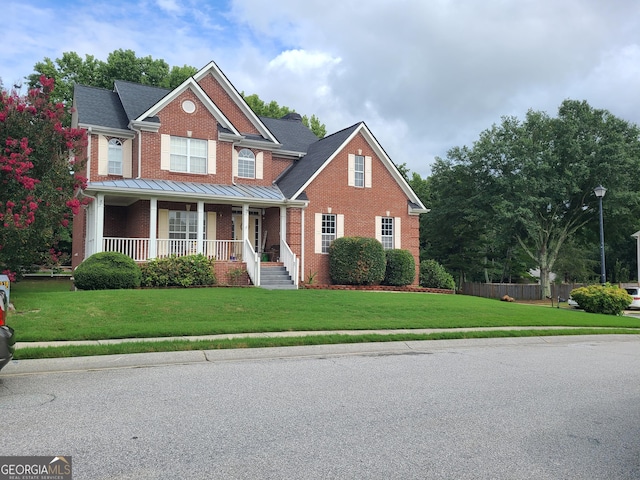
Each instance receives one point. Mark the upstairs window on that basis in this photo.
(115, 157)
(246, 164)
(188, 155)
(359, 171)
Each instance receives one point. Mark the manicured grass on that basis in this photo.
(43, 315)
(183, 345)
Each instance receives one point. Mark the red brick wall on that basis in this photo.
(226, 105)
(359, 206)
(271, 223)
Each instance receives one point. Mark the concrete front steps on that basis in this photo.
(274, 276)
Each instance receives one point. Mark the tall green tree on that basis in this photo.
(37, 163)
(534, 179)
(121, 64)
(70, 69)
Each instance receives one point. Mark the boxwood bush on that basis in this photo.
(607, 299)
(356, 261)
(401, 268)
(173, 271)
(434, 275)
(107, 271)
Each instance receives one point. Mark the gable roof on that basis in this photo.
(212, 69)
(294, 180)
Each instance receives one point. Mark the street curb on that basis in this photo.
(141, 360)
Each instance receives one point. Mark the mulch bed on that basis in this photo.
(377, 288)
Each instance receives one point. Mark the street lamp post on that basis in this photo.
(600, 191)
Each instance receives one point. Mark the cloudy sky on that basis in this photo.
(425, 75)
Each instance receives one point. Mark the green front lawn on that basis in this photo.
(48, 313)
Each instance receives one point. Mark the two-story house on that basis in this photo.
(194, 170)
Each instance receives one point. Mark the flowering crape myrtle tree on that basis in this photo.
(38, 157)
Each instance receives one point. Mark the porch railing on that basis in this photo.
(252, 260)
(136, 248)
(290, 261)
(139, 248)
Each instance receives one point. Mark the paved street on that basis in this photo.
(533, 408)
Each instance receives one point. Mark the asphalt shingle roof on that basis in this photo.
(136, 98)
(319, 152)
(292, 134)
(98, 106)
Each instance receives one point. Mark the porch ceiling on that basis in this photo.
(136, 188)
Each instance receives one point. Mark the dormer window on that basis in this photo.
(115, 157)
(246, 164)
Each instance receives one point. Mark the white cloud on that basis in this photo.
(301, 62)
(424, 75)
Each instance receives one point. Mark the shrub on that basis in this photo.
(107, 271)
(434, 275)
(187, 271)
(356, 261)
(401, 268)
(607, 299)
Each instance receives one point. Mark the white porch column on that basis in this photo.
(153, 228)
(302, 244)
(283, 223)
(200, 238)
(100, 222)
(245, 223)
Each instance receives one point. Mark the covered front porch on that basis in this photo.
(228, 229)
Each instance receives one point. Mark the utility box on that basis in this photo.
(5, 284)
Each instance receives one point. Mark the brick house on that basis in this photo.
(194, 170)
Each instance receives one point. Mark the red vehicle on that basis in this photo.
(7, 337)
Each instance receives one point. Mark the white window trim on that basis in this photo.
(351, 171)
(318, 230)
(397, 231)
(115, 165)
(189, 156)
(246, 159)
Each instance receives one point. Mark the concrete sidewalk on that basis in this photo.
(137, 360)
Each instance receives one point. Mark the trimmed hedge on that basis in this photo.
(607, 299)
(401, 268)
(173, 271)
(356, 261)
(434, 275)
(107, 271)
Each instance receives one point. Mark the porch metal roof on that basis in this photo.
(137, 186)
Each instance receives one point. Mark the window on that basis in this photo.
(115, 157)
(188, 155)
(386, 235)
(328, 231)
(246, 164)
(359, 171)
(183, 225)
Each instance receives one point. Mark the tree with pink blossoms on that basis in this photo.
(38, 158)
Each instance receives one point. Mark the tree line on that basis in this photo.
(522, 197)
(519, 198)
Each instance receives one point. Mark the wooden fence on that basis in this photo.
(517, 290)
